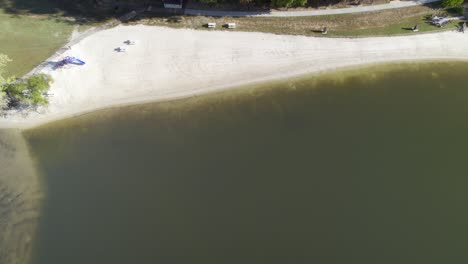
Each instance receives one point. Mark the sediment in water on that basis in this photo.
(20, 199)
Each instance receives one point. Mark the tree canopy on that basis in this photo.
(92, 9)
(30, 91)
(452, 3)
(15, 92)
(289, 3)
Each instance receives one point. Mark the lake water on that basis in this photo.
(21, 194)
(359, 166)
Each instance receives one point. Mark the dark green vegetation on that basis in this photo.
(103, 8)
(272, 4)
(288, 3)
(361, 166)
(452, 3)
(29, 91)
(46, 7)
(16, 93)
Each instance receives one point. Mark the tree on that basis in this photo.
(452, 3)
(29, 91)
(211, 2)
(3, 61)
(245, 2)
(37, 85)
(12, 93)
(39, 82)
(3, 91)
(289, 3)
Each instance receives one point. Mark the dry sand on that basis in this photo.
(173, 63)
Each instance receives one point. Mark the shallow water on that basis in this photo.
(359, 166)
(21, 194)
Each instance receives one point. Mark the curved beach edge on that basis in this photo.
(168, 64)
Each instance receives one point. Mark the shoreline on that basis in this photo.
(161, 67)
(208, 91)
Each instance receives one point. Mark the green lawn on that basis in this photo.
(401, 27)
(381, 23)
(30, 39)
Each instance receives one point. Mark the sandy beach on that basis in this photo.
(169, 63)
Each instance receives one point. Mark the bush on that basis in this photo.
(29, 91)
(289, 3)
(452, 3)
(458, 10)
(211, 2)
(39, 82)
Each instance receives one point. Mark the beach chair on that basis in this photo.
(130, 42)
(121, 49)
(211, 25)
(231, 25)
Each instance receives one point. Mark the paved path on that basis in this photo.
(336, 11)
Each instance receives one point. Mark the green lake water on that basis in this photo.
(360, 166)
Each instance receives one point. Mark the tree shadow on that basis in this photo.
(455, 11)
(81, 10)
(29, 6)
(318, 31)
(49, 63)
